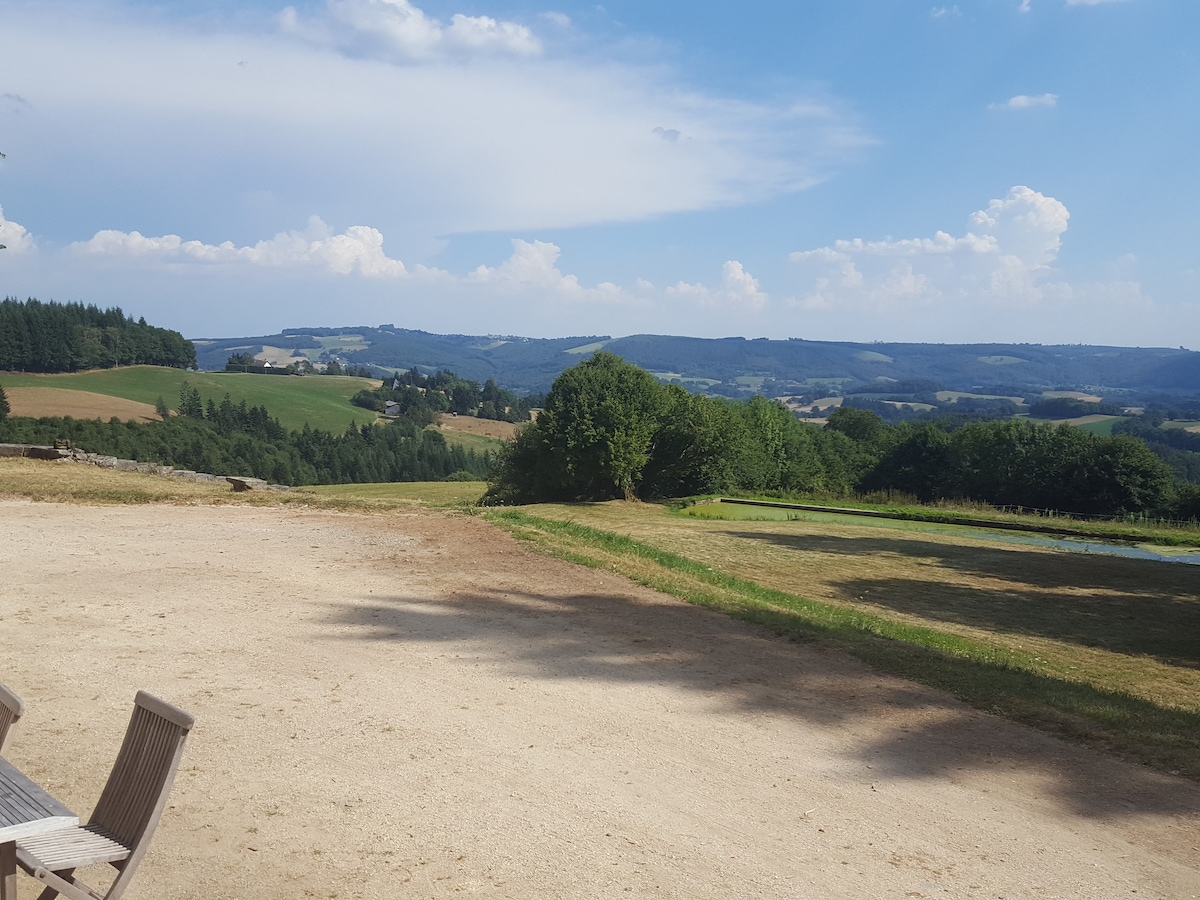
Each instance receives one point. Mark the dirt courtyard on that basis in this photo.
(416, 706)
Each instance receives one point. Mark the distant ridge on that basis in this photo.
(730, 365)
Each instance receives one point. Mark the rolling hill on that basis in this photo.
(737, 366)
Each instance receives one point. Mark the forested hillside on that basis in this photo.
(739, 367)
(70, 337)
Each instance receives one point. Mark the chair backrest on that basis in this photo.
(11, 709)
(136, 792)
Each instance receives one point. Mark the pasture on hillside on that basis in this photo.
(321, 401)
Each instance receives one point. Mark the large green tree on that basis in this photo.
(599, 423)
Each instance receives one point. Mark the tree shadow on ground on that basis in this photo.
(619, 640)
(1130, 606)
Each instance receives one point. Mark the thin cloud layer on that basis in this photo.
(433, 147)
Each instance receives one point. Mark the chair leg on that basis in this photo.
(60, 882)
(8, 870)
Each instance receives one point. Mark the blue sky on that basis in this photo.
(996, 170)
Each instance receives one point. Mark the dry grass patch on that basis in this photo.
(39, 402)
(64, 481)
(501, 431)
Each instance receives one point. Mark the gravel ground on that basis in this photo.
(416, 706)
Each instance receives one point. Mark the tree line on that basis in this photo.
(609, 429)
(230, 438)
(70, 337)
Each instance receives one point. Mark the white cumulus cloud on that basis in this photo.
(533, 266)
(398, 31)
(739, 290)
(14, 237)
(1001, 260)
(359, 249)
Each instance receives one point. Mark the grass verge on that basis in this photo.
(990, 677)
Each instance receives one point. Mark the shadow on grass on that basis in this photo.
(740, 671)
(1124, 605)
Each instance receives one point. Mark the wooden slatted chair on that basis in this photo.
(130, 806)
(11, 709)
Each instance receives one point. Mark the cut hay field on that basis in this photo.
(1193, 427)
(1072, 395)
(955, 396)
(1097, 424)
(470, 433)
(37, 402)
(323, 402)
(1101, 650)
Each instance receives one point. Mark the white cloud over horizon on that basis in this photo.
(359, 249)
(1002, 260)
(988, 284)
(979, 285)
(739, 291)
(15, 238)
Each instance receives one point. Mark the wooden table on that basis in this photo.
(25, 810)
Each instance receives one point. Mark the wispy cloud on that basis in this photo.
(945, 12)
(398, 31)
(1025, 4)
(426, 144)
(1025, 101)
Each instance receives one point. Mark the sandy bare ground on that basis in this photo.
(415, 706)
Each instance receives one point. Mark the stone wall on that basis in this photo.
(237, 482)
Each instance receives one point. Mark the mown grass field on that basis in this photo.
(1100, 650)
(321, 401)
